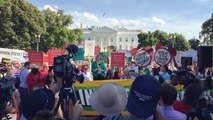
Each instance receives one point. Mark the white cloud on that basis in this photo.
(158, 20)
(53, 8)
(174, 24)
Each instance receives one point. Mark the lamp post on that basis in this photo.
(173, 40)
(37, 39)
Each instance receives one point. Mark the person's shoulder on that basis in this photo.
(179, 115)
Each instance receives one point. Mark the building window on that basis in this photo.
(126, 47)
(126, 39)
(120, 46)
(120, 39)
(111, 39)
(132, 39)
(89, 38)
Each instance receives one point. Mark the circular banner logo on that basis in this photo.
(143, 59)
(162, 56)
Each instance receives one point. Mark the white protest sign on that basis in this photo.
(162, 56)
(89, 49)
(143, 58)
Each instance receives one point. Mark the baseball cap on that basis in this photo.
(144, 96)
(37, 100)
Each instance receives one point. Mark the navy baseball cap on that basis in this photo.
(144, 96)
(37, 100)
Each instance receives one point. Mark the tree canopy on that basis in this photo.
(194, 43)
(175, 40)
(207, 30)
(21, 22)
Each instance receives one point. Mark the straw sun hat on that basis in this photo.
(109, 99)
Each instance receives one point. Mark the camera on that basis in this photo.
(64, 68)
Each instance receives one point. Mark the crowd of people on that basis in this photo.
(153, 95)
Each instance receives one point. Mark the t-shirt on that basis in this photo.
(182, 107)
(169, 113)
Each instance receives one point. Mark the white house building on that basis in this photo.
(104, 36)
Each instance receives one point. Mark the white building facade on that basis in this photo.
(122, 39)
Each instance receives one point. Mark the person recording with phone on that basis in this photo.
(98, 69)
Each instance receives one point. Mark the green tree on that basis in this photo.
(58, 32)
(161, 36)
(194, 43)
(146, 39)
(178, 42)
(20, 21)
(207, 30)
(175, 40)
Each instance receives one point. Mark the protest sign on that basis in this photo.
(134, 51)
(54, 53)
(143, 58)
(89, 48)
(117, 59)
(97, 50)
(36, 57)
(83, 92)
(12, 54)
(5, 60)
(162, 56)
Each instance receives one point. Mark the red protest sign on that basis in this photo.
(54, 53)
(117, 59)
(36, 57)
(134, 51)
(45, 59)
(97, 50)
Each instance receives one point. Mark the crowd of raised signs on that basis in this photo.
(153, 95)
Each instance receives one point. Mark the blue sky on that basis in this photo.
(181, 16)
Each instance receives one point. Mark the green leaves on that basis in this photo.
(175, 40)
(207, 30)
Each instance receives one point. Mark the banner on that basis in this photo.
(162, 56)
(36, 57)
(117, 59)
(12, 54)
(89, 49)
(54, 53)
(83, 92)
(143, 58)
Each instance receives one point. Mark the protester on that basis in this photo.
(84, 70)
(164, 73)
(116, 75)
(158, 77)
(44, 115)
(109, 72)
(98, 69)
(6, 94)
(23, 83)
(109, 99)
(126, 74)
(133, 69)
(41, 101)
(192, 93)
(44, 70)
(35, 78)
(168, 96)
